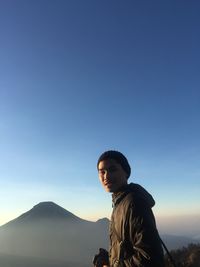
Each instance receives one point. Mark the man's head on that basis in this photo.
(114, 170)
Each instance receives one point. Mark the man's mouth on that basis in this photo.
(108, 184)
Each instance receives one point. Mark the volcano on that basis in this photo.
(50, 232)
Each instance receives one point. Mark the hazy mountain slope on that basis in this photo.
(48, 231)
(19, 261)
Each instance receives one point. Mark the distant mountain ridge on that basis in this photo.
(176, 242)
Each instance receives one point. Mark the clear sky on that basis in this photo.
(80, 77)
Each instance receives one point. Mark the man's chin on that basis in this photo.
(109, 189)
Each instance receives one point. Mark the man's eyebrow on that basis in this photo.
(109, 167)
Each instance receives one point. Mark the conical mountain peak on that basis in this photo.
(47, 210)
(47, 205)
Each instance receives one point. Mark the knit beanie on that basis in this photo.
(118, 157)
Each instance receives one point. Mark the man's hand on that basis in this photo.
(101, 259)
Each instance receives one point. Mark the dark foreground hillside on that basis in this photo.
(186, 257)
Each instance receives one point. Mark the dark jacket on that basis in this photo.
(134, 239)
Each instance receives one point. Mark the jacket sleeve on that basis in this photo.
(143, 238)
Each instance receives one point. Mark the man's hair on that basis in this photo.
(118, 157)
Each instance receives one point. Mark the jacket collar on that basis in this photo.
(118, 196)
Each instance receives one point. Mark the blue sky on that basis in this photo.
(80, 77)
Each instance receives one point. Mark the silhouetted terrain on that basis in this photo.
(186, 257)
(49, 235)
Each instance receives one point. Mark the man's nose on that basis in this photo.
(107, 175)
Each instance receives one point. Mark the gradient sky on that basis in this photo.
(80, 77)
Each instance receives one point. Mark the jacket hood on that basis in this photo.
(142, 193)
(137, 190)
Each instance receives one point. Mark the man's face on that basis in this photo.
(111, 175)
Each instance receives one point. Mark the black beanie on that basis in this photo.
(118, 157)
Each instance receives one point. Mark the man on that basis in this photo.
(134, 239)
